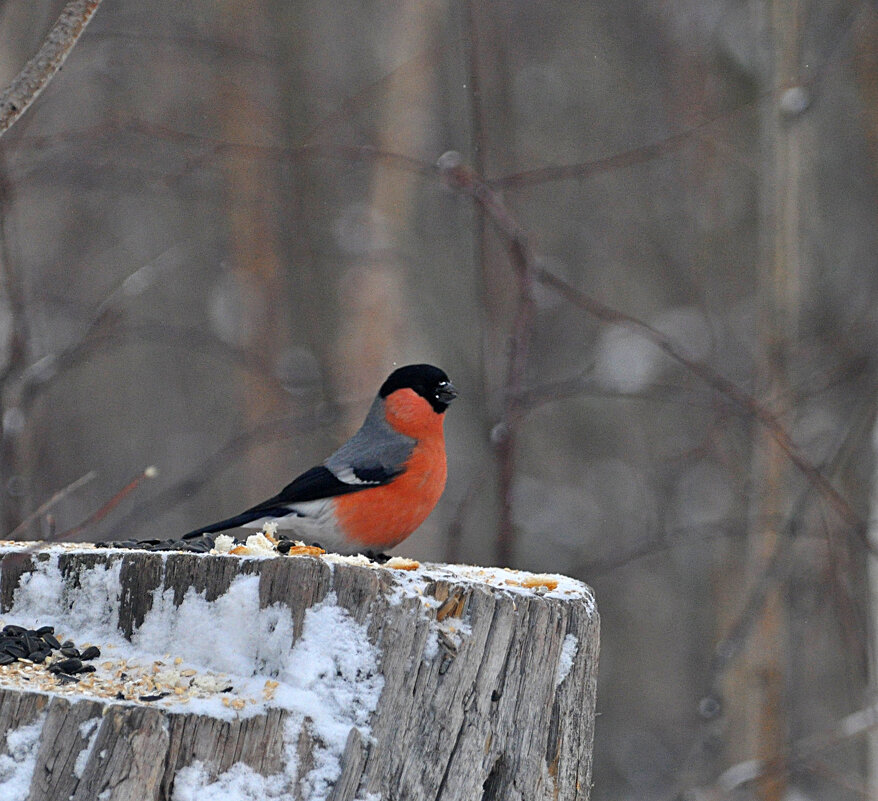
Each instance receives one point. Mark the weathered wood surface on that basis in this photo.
(480, 717)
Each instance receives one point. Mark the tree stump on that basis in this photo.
(304, 678)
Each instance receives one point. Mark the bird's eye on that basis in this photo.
(445, 392)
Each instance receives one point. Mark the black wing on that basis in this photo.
(320, 482)
(313, 485)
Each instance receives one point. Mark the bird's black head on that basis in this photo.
(429, 382)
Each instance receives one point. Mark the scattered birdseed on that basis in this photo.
(535, 582)
(265, 543)
(36, 647)
(36, 659)
(401, 563)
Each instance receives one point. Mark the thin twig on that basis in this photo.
(36, 74)
(739, 631)
(799, 753)
(662, 543)
(465, 180)
(38, 376)
(505, 434)
(739, 397)
(454, 531)
(773, 572)
(58, 496)
(100, 514)
(222, 459)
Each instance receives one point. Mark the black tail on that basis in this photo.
(232, 522)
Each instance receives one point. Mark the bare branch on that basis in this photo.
(465, 180)
(800, 753)
(20, 556)
(58, 496)
(100, 514)
(745, 402)
(36, 74)
(505, 433)
(190, 484)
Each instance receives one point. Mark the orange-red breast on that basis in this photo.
(379, 486)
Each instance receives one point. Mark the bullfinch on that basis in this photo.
(379, 486)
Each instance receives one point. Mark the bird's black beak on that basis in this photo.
(445, 392)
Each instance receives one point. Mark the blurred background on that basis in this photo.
(222, 225)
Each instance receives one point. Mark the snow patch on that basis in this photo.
(569, 649)
(625, 360)
(88, 728)
(329, 680)
(330, 683)
(229, 635)
(17, 766)
(239, 782)
(91, 607)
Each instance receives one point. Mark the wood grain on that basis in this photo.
(471, 707)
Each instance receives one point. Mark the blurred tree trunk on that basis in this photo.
(31, 21)
(245, 92)
(872, 740)
(866, 43)
(13, 360)
(371, 333)
(494, 154)
(756, 687)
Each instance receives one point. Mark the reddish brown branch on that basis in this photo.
(36, 74)
(191, 483)
(108, 507)
(628, 158)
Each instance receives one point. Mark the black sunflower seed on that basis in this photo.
(156, 697)
(15, 649)
(13, 631)
(50, 640)
(39, 656)
(92, 652)
(68, 644)
(70, 652)
(167, 545)
(202, 545)
(66, 666)
(6, 659)
(43, 630)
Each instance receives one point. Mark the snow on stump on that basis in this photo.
(302, 678)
